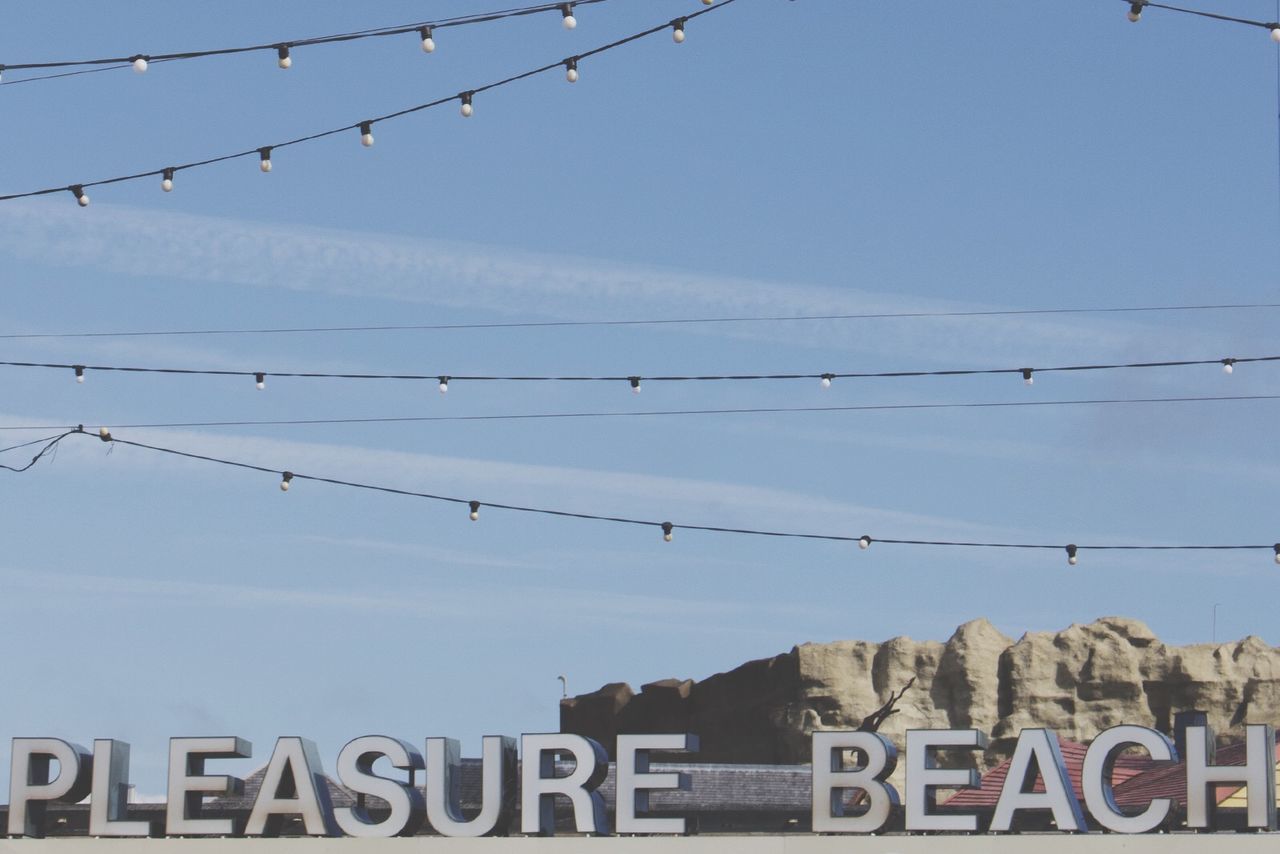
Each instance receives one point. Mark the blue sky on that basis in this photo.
(815, 157)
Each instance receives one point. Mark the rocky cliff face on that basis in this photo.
(1078, 681)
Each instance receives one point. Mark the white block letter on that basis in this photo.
(293, 784)
(1041, 747)
(634, 781)
(188, 784)
(924, 775)
(1257, 772)
(831, 780)
(444, 778)
(31, 789)
(539, 785)
(1098, 765)
(109, 802)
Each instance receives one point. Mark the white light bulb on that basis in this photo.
(570, 22)
(475, 511)
(1073, 560)
(1071, 554)
(1228, 367)
(678, 35)
(864, 542)
(707, 2)
(79, 374)
(1275, 34)
(826, 382)
(667, 534)
(260, 380)
(284, 60)
(284, 481)
(428, 43)
(1135, 12)
(1277, 548)
(140, 64)
(104, 434)
(635, 385)
(467, 109)
(571, 72)
(264, 162)
(667, 537)
(1027, 377)
(167, 185)
(444, 385)
(83, 199)
(366, 134)
(265, 165)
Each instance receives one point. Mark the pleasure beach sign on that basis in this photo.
(571, 768)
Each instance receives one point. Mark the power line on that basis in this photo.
(425, 29)
(758, 410)
(671, 321)
(1136, 8)
(364, 126)
(864, 541)
(826, 378)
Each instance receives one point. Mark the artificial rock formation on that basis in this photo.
(1078, 681)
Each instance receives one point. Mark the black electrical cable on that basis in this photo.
(115, 62)
(1146, 4)
(673, 321)
(264, 150)
(666, 526)
(534, 416)
(444, 379)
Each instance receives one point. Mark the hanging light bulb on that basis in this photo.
(475, 511)
(444, 385)
(260, 380)
(864, 542)
(1071, 554)
(265, 158)
(635, 384)
(571, 69)
(826, 380)
(1277, 548)
(82, 198)
(104, 434)
(366, 134)
(666, 531)
(285, 479)
(1135, 11)
(79, 369)
(140, 64)
(283, 59)
(428, 43)
(1026, 376)
(166, 180)
(467, 109)
(677, 30)
(1228, 366)
(1275, 34)
(707, 2)
(1, 71)
(570, 22)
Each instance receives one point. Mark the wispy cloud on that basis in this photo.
(207, 250)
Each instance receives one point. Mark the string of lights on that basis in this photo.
(671, 321)
(675, 26)
(634, 380)
(668, 528)
(1136, 8)
(425, 30)
(760, 410)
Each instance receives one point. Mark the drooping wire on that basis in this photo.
(1136, 7)
(533, 416)
(673, 321)
(118, 62)
(633, 379)
(49, 442)
(665, 526)
(464, 97)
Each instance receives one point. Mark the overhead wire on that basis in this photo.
(754, 410)
(1027, 372)
(1136, 8)
(667, 527)
(120, 62)
(670, 321)
(465, 98)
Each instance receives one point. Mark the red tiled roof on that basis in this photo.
(1170, 780)
(986, 794)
